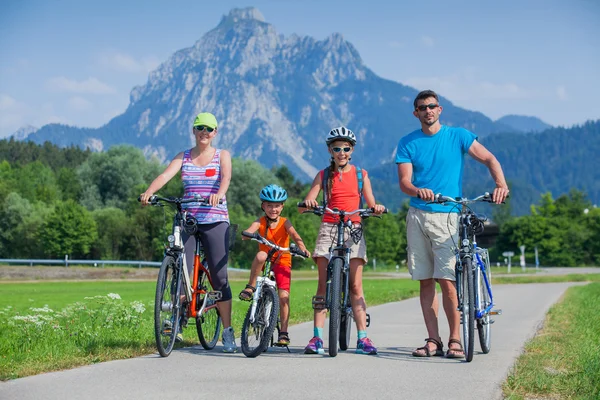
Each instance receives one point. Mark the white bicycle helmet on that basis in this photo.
(341, 133)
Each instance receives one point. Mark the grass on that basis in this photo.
(563, 360)
(48, 326)
(547, 278)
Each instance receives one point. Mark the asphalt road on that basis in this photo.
(396, 328)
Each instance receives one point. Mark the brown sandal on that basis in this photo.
(452, 353)
(247, 295)
(439, 351)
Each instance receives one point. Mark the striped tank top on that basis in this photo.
(203, 181)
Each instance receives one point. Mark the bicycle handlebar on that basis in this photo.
(320, 210)
(293, 249)
(155, 200)
(441, 199)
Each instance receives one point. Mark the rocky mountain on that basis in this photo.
(275, 98)
(521, 123)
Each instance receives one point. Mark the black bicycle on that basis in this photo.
(473, 275)
(337, 297)
(179, 297)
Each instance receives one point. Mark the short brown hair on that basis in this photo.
(425, 94)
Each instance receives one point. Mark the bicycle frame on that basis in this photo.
(264, 279)
(482, 266)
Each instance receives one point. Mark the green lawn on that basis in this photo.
(563, 360)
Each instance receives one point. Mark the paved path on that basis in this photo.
(397, 328)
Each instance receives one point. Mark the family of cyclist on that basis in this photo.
(430, 160)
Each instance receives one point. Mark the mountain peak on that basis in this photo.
(248, 13)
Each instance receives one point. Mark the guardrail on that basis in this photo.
(66, 262)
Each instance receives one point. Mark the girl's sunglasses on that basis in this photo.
(201, 128)
(338, 149)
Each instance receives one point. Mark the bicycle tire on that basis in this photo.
(336, 305)
(257, 335)
(165, 313)
(468, 309)
(208, 325)
(484, 327)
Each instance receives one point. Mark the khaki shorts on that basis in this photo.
(432, 238)
(327, 237)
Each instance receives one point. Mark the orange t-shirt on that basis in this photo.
(277, 235)
(343, 194)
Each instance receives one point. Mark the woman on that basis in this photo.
(206, 172)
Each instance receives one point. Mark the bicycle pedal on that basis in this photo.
(214, 295)
(496, 312)
(368, 320)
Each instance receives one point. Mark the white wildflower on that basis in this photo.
(44, 309)
(138, 306)
(114, 296)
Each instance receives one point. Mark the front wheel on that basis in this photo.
(166, 314)
(345, 328)
(208, 325)
(484, 326)
(257, 331)
(336, 305)
(468, 309)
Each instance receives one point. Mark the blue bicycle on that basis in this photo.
(473, 275)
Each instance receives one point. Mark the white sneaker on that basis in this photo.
(228, 340)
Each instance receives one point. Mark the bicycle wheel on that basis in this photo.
(166, 315)
(484, 327)
(257, 334)
(208, 325)
(336, 305)
(468, 309)
(345, 328)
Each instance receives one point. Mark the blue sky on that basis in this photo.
(75, 62)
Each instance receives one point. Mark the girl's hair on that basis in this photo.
(330, 180)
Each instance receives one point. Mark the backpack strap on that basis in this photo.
(324, 186)
(359, 178)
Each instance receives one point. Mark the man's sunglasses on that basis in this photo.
(338, 149)
(431, 106)
(201, 128)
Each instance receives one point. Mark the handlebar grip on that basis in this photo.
(301, 204)
(253, 235)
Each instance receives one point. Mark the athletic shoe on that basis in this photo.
(315, 346)
(228, 340)
(365, 346)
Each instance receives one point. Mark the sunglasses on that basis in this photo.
(338, 149)
(201, 128)
(431, 106)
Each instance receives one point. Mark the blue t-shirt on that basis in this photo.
(437, 162)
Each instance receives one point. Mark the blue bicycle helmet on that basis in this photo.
(273, 194)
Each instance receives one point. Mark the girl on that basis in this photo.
(206, 171)
(343, 194)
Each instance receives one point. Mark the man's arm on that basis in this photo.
(405, 171)
(484, 156)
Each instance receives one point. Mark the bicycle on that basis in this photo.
(178, 297)
(473, 275)
(337, 298)
(262, 316)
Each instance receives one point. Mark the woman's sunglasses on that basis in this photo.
(201, 128)
(338, 149)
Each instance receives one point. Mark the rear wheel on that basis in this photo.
(336, 305)
(166, 315)
(468, 309)
(257, 333)
(208, 324)
(484, 325)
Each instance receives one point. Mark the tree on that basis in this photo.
(247, 180)
(69, 230)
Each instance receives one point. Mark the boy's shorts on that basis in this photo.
(328, 236)
(432, 238)
(283, 276)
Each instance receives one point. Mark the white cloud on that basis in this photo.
(427, 41)
(78, 103)
(126, 63)
(561, 92)
(90, 86)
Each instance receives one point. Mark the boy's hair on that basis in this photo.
(424, 95)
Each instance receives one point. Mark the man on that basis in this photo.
(430, 160)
